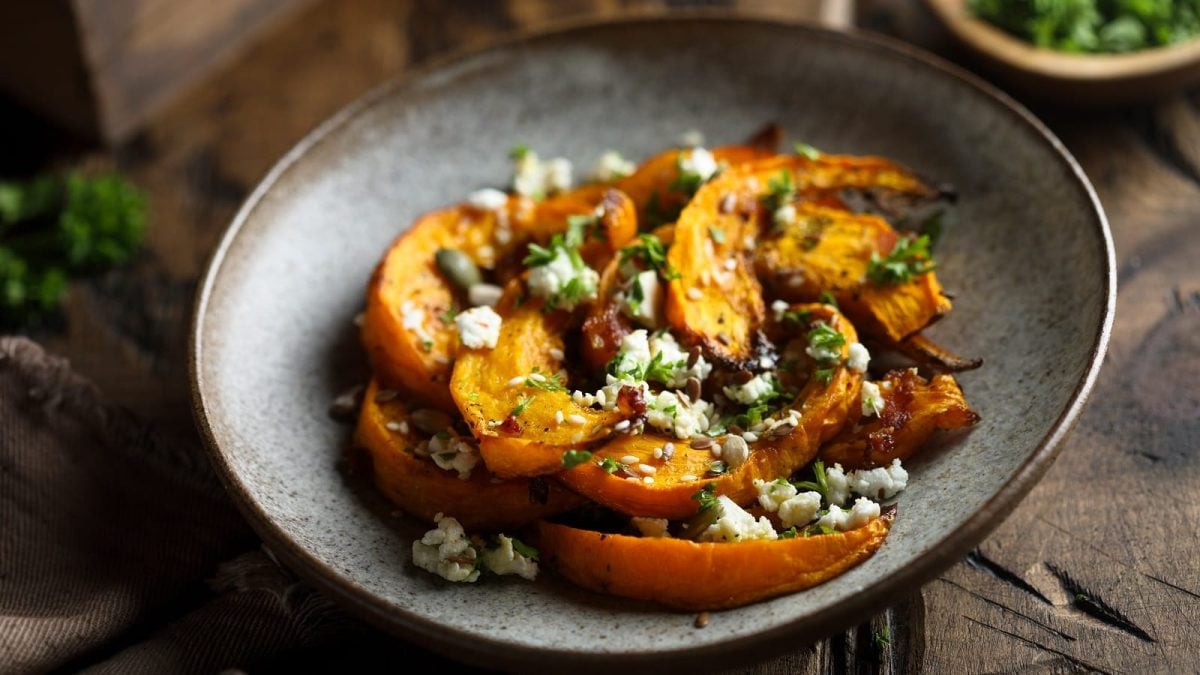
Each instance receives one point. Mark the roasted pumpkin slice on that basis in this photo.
(655, 187)
(912, 410)
(695, 576)
(617, 480)
(417, 485)
(408, 343)
(827, 250)
(514, 399)
(827, 174)
(715, 300)
(609, 216)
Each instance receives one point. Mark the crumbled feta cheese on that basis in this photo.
(484, 294)
(487, 199)
(880, 483)
(478, 327)
(872, 400)
(650, 527)
(452, 453)
(446, 551)
(668, 411)
(694, 293)
(839, 488)
(863, 512)
(640, 350)
(800, 510)
(412, 318)
(699, 162)
(734, 450)
(758, 387)
(643, 299)
(612, 166)
(859, 357)
(550, 280)
(784, 215)
(735, 524)
(778, 309)
(772, 494)
(534, 178)
(504, 559)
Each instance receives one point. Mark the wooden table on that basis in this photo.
(1096, 570)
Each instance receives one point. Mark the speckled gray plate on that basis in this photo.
(1028, 257)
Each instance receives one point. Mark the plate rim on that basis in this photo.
(458, 644)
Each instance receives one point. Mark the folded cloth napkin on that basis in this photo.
(120, 555)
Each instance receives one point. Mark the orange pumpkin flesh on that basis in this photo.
(650, 185)
(913, 410)
(697, 576)
(823, 408)
(422, 489)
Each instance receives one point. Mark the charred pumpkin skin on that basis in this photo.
(829, 250)
(913, 410)
(533, 442)
(824, 409)
(695, 576)
(423, 490)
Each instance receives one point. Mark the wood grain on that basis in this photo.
(1095, 571)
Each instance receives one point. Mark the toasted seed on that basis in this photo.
(431, 421)
(701, 442)
(345, 405)
(735, 430)
(385, 395)
(693, 388)
(723, 338)
(783, 429)
(742, 377)
(458, 267)
(702, 619)
(693, 356)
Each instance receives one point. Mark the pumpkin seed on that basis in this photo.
(458, 267)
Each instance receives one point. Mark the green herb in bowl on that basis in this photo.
(1094, 26)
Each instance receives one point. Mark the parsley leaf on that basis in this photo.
(546, 383)
(524, 549)
(823, 375)
(518, 152)
(909, 258)
(650, 253)
(781, 190)
(826, 298)
(577, 229)
(807, 151)
(707, 498)
(573, 458)
(825, 344)
(610, 465)
(789, 533)
(539, 255)
(523, 402)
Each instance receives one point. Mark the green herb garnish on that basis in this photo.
(523, 402)
(524, 549)
(781, 190)
(825, 344)
(651, 254)
(707, 498)
(807, 151)
(573, 458)
(909, 258)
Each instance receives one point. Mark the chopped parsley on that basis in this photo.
(707, 498)
(827, 298)
(807, 151)
(610, 465)
(578, 229)
(781, 190)
(909, 258)
(573, 458)
(518, 152)
(799, 317)
(546, 383)
(523, 402)
(447, 317)
(825, 344)
(637, 295)
(883, 638)
(789, 533)
(524, 549)
(650, 252)
(823, 375)
(820, 482)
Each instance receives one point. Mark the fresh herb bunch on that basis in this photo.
(1084, 26)
(54, 227)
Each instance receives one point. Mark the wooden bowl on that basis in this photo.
(1074, 79)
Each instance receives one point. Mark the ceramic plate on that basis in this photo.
(1028, 257)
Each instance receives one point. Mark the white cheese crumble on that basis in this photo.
(650, 527)
(479, 327)
(880, 483)
(504, 559)
(872, 400)
(488, 199)
(800, 510)
(784, 215)
(446, 551)
(859, 358)
(778, 309)
(758, 387)
(643, 299)
(452, 453)
(536, 179)
(863, 512)
(771, 495)
(698, 161)
(735, 524)
(412, 318)
(484, 294)
(671, 412)
(735, 450)
(550, 280)
(659, 355)
(611, 166)
(839, 488)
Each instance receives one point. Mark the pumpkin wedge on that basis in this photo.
(913, 409)
(512, 396)
(823, 409)
(417, 485)
(695, 576)
(653, 186)
(829, 250)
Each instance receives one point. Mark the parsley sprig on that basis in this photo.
(825, 344)
(650, 253)
(781, 190)
(706, 498)
(909, 258)
(573, 458)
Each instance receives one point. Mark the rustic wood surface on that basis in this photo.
(1096, 570)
